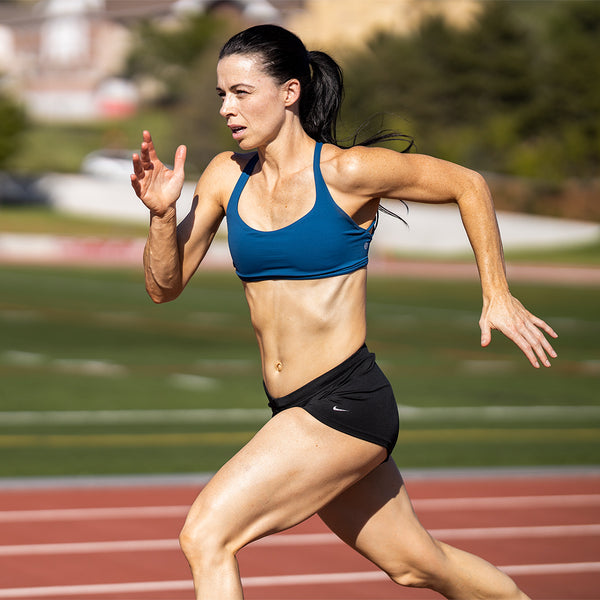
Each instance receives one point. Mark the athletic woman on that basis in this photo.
(300, 212)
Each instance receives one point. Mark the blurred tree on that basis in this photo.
(448, 82)
(166, 54)
(571, 92)
(180, 62)
(517, 92)
(12, 125)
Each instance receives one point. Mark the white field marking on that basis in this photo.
(303, 539)
(108, 417)
(194, 383)
(497, 412)
(78, 366)
(423, 504)
(270, 581)
(100, 368)
(210, 415)
(25, 359)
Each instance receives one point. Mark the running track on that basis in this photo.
(105, 543)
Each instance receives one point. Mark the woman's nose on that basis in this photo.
(227, 107)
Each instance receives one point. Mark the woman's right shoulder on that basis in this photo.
(223, 171)
(229, 163)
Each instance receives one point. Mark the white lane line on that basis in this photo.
(85, 514)
(507, 502)
(89, 547)
(536, 531)
(553, 569)
(270, 581)
(303, 539)
(152, 512)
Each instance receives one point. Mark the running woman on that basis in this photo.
(301, 211)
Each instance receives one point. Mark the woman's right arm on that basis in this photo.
(172, 252)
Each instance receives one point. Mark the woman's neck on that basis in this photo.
(288, 152)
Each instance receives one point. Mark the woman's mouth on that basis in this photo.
(237, 131)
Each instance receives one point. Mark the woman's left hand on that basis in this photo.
(506, 314)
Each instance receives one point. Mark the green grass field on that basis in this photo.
(91, 341)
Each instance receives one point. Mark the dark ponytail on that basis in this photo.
(321, 101)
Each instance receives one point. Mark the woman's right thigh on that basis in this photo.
(291, 468)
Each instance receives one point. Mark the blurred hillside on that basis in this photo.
(509, 88)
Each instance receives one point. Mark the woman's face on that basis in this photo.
(253, 104)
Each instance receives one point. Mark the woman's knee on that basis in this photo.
(203, 536)
(420, 569)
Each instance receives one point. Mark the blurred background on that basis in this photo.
(96, 379)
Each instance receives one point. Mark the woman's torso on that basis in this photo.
(305, 325)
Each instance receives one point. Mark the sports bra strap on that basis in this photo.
(243, 178)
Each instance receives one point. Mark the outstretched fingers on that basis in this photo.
(534, 345)
(535, 342)
(523, 328)
(158, 186)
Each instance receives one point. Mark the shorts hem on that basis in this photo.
(355, 433)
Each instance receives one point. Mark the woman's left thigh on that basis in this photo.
(290, 469)
(375, 517)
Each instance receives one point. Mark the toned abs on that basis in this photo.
(305, 328)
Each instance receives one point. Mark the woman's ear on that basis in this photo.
(291, 91)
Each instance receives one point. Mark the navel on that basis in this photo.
(279, 366)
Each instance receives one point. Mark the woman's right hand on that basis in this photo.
(157, 186)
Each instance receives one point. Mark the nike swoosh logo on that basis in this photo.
(338, 409)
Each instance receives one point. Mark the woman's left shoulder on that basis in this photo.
(349, 167)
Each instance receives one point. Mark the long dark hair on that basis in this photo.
(285, 57)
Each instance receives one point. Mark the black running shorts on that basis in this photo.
(355, 397)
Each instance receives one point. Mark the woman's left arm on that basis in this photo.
(380, 173)
(501, 310)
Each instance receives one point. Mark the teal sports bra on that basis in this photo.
(325, 242)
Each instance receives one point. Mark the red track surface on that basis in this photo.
(120, 542)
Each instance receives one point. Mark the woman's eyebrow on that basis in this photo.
(236, 85)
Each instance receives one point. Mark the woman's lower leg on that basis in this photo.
(461, 575)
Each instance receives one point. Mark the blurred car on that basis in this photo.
(108, 164)
(21, 190)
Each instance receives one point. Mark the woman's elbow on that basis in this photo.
(160, 295)
(478, 182)
(473, 187)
